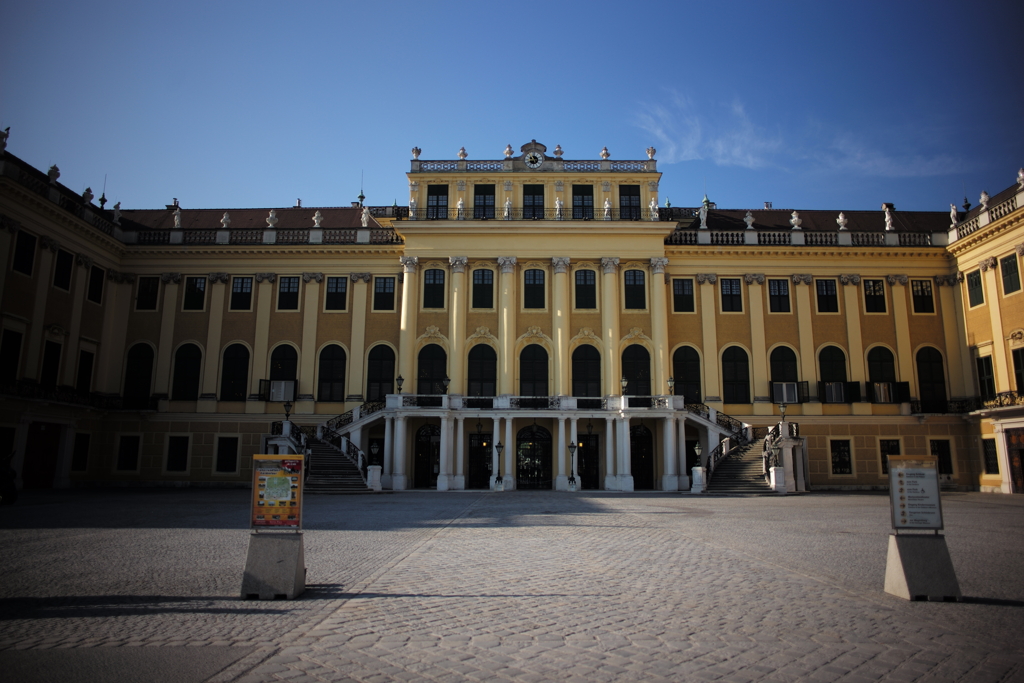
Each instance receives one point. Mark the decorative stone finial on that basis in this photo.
(796, 221)
(177, 219)
(842, 221)
(1020, 176)
(604, 153)
(462, 153)
(984, 200)
(416, 151)
(225, 221)
(509, 151)
(651, 152)
(558, 151)
(87, 195)
(272, 218)
(887, 208)
(317, 219)
(749, 220)
(53, 173)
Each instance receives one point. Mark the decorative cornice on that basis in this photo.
(658, 264)
(432, 332)
(636, 333)
(218, 277)
(482, 333)
(49, 243)
(269, 277)
(507, 263)
(585, 333)
(560, 263)
(610, 264)
(707, 278)
(409, 263)
(987, 263)
(365, 277)
(534, 332)
(458, 263)
(307, 277)
(9, 224)
(948, 280)
(171, 277)
(83, 260)
(896, 279)
(751, 278)
(802, 278)
(850, 279)
(120, 278)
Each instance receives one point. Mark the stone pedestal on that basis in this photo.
(275, 567)
(562, 482)
(625, 482)
(373, 477)
(669, 482)
(778, 476)
(918, 567)
(697, 485)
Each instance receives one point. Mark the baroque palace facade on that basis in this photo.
(516, 305)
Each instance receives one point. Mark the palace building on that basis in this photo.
(516, 306)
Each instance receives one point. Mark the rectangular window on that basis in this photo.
(986, 379)
(288, 294)
(842, 462)
(1018, 369)
(778, 296)
(433, 288)
(437, 202)
(62, 269)
(975, 293)
(1011, 275)
(483, 288)
(874, 296)
(337, 294)
(921, 291)
(828, 301)
(95, 293)
(682, 295)
(583, 203)
(887, 447)
(83, 383)
(10, 355)
(177, 454)
(384, 294)
(533, 289)
(80, 453)
(988, 452)
(24, 253)
(227, 454)
(636, 296)
(147, 293)
(483, 201)
(195, 294)
(533, 201)
(128, 453)
(241, 293)
(51, 364)
(629, 202)
(586, 289)
(732, 298)
(940, 449)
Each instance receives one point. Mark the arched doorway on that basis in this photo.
(586, 377)
(931, 380)
(428, 457)
(636, 368)
(432, 372)
(380, 372)
(686, 367)
(533, 458)
(641, 449)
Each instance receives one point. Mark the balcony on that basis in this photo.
(531, 213)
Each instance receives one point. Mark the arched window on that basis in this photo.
(533, 371)
(636, 296)
(234, 373)
(433, 364)
(832, 371)
(138, 373)
(284, 363)
(735, 376)
(882, 376)
(636, 368)
(686, 373)
(188, 360)
(483, 371)
(433, 288)
(783, 362)
(380, 372)
(586, 371)
(931, 380)
(332, 373)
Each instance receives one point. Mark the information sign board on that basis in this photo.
(277, 491)
(914, 492)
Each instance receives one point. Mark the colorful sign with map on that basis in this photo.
(277, 491)
(914, 492)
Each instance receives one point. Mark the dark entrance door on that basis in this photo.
(588, 459)
(1015, 453)
(41, 455)
(533, 458)
(480, 462)
(641, 447)
(428, 457)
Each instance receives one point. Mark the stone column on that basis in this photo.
(625, 464)
(510, 451)
(953, 328)
(495, 438)
(611, 481)
(43, 278)
(110, 363)
(444, 475)
(610, 325)
(459, 481)
(758, 345)
(77, 294)
(684, 474)
(459, 303)
(161, 381)
(904, 347)
(659, 326)
(354, 379)
(669, 480)
(561, 479)
(1000, 365)
(709, 328)
(398, 478)
(560, 325)
(211, 368)
(854, 339)
(264, 302)
(304, 392)
(389, 452)
(805, 327)
(407, 333)
(507, 327)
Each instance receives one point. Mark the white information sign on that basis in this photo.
(914, 492)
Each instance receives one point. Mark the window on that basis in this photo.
(636, 296)
(533, 371)
(138, 372)
(332, 374)
(432, 365)
(586, 289)
(10, 355)
(80, 453)
(828, 302)
(921, 290)
(1018, 369)
(988, 453)
(380, 372)
(533, 289)
(62, 269)
(95, 293)
(483, 201)
(284, 363)
(975, 293)
(533, 201)
(882, 386)
(83, 383)
(586, 371)
(583, 203)
(188, 360)
(732, 298)
(234, 373)
(686, 368)
(682, 295)
(148, 292)
(778, 296)
(735, 376)
(483, 371)
(874, 296)
(986, 379)
(177, 454)
(842, 462)
(940, 449)
(832, 370)
(288, 294)
(241, 293)
(24, 253)
(128, 453)
(227, 454)
(195, 294)
(384, 294)
(887, 447)
(437, 202)
(931, 380)
(1011, 275)
(629, 202)
(636, 368)
(483, 288)
(51, 364)
(336, 297)
(784, 387)
(433, 288)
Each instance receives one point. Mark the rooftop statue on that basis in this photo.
(703, 215)
(317, 219)
(653, 207)
(749, 220)
(888, 218)
(509, 151)
(984, 200)
(272, 218)
(842, 221)
(953, 216)
(416, 152)
(177, 219)
(365, 217)
(796, 221)
(225, 221)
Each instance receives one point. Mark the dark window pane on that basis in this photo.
(483, 288)
(51, 364)
(138, 374)
(384, 294)
(586, 289)
(931, 376)
(148, 293)
(332, 373)
(437, 201)
(1011, 275)
(735, 376)
(95, 293)
(783, 365)
(380, 373)
(828, 301)
(483, 203)
(586, 371)
(881, 365)
(682, 296)
(990, 456)
(188, 360)
(778, 296)
(533, 371)
(1018, 369)
(284, 364)
(533, 289)
(62, 269)
(433, 288)
(582, 203)
(24, 253)
(636, 368)
(227, 453)
(241, 293)
(940, 449)
(922, 294)
(832, 364)
(432, 365)
(636, 297)
(288, 294)
(888, 447)
(842, 462)
(10, 355)
(975, 293)
(83, 384)
(234, 374)
(195, 294)
(986, 378)
(533, 201)
(732, 298)
(874, 296)
(80, 454)
(483, 371)
(629, 202)
(686, 368)
(177, 453)
(128, 453)
(337, 294)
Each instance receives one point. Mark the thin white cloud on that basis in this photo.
(847, 154)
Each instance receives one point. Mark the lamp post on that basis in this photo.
(374, 449)
(698, 450)
(400, 381)
(572, 466)
(499, 485)
(623, 383)
(446, 382)
(287, 409)
(782, 412)
(671, 386)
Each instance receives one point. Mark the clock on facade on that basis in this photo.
(534, 159)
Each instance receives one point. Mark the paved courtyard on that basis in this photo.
(142, 585)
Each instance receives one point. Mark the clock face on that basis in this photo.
(533, 160)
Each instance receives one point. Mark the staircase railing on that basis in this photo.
(769, 456)
(728, 446)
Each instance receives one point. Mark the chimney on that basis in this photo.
(298, 203)
(355, 205)
(767, 205)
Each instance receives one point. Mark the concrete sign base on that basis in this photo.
(918, 568)
(275, 567)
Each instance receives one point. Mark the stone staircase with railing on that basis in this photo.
(331, 471)
(741, 473)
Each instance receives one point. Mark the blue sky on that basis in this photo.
(809, 105)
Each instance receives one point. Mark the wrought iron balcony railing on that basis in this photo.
(531, 213)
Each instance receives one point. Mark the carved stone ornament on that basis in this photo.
(120, 278)
(272, 218)
(636, 333)
(586, 333)
(307, 277)
(987, 263)
(948, 280)
(9, 224)
(896, 279)
(1020, 249)
(416, 152)
(458, 263)
(984, 200)
(218, 277)
(1020, 178)
(269, 277)
(432, 332)
(1017, 336)
(610, 264)
(805, 279)
(658, 264)
(849, 279)
(560, 263)
(842, 221)
(751, 278)
(317, 219)
(87, 195)
(606, 186)
(888, 217)
(605, 153)
(749, 220)
(533, 332)
(364, 277)
(83, 261)
(461, 185)
(409, 263)
(507, 263)
(170, 277)
(960, 278)
(49, 243)
(482, 333)
(225, 221)
(558, 151)
(177, 219)
(53, 174)
(796, 221)
(56, 330)
(462, 153)
(508, 186)
(559, 186)
(3, 139)
(651, 152)
(509, 152)
(652, 185)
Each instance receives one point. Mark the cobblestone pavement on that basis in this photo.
(516, 586)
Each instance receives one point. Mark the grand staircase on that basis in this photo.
(740, 474)
(332, 471)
